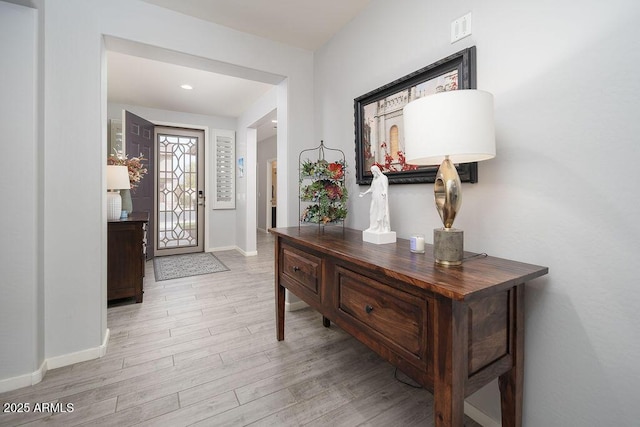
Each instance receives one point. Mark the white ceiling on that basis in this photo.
(303, 23)
(154, 83)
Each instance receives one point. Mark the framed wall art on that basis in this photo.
(379, 125)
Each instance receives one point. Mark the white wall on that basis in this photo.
(20, 319)
(72, 248)
(562, 191)
(221, 222)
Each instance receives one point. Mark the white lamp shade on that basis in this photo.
(117, 177)
(458, 124)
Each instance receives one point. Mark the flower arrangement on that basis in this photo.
(322, 168)
(321, 189)
(134, 165)
(326, 191)
(319, 215)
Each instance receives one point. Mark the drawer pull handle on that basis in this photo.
(368, 309)
(295, 268)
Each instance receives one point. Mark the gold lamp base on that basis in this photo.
(448, 242)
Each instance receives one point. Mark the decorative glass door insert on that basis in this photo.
(180, 191)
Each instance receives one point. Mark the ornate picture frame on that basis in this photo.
(378, 120)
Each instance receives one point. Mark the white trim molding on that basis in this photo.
(222, 248)
(294, 306)
(480, 417)
(105, 343)
(232, 248)
(52, 363)
(24, 380)
(80, 356)
(246, 253)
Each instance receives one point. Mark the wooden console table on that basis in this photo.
(126, 250)
(452, 330)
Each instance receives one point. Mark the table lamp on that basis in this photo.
(117, 179)
(447, 128)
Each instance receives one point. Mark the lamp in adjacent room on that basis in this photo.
(448, 128)
(117, 179)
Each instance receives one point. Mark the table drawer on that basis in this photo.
(396, 318)
(300, 271)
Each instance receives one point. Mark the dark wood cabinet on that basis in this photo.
(127, 239)
(453, 330)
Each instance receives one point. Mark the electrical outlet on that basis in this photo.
(461, 28)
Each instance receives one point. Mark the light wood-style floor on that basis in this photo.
(202, 351)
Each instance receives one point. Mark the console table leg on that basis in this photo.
(326, 322)
(279, 311)
(279, 291)
(451, 362)
(511, 382)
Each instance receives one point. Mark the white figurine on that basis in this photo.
(379, 211)
(379, 230)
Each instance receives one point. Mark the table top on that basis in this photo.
(475, 278)
(133, 217)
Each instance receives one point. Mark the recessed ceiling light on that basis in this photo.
(274, 121)
(187, 87)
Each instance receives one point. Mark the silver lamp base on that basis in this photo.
(448, 246)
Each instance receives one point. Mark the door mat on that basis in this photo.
(176, 266)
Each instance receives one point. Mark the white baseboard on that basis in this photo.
(105, 342)
(24, 380)
(293, 306)
(80, 356)
(38, 375)
(251, 253)
(232, 248)
(222, 248)
(55, 362)
(480, 417)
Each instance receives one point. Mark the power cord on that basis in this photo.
(414, 385)
(482, 255)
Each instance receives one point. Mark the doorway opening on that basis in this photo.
(272, 188)
(266, 170)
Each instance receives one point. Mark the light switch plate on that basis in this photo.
(461, 28)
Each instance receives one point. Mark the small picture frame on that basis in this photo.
(241, 167)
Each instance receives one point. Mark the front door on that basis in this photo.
(179, 191)
(139, 140)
